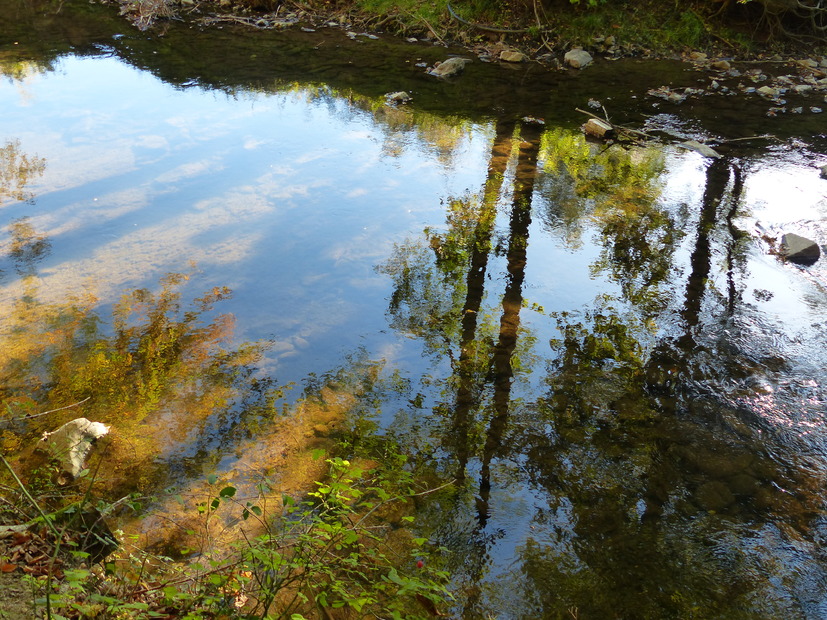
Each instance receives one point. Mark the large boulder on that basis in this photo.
(70, 444)
(799, 249)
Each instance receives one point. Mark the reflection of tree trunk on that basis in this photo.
(666, 363)
(717, 177)
(467, 395)
(734, 234)
(525, 176)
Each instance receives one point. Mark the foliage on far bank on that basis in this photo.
(534, 25)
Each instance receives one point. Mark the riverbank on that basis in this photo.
(741, 31)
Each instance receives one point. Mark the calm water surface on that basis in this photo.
(598, 344)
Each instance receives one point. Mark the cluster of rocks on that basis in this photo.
(807, 83)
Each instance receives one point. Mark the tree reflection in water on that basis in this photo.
(636, 491)
(166, 374)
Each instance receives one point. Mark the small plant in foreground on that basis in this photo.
(334, 549)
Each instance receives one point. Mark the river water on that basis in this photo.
(599, 344)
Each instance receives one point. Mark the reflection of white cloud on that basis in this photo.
(365, 247)
(174, 241)
(253, 143)
(358, 134)
(152, 142)
(313, 156)
(190, 169)
(359, 191)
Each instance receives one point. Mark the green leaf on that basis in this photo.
(395, 578)
(170, 591)
(317, 454)
(227, 492)
(212, 479)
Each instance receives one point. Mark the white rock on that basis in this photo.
(71, 443)
(578, 58)
(703, 149)
(452, 66)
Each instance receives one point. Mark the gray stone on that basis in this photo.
(578, 58)
(824, 171)
(451, 67)
(799, 249)
(71, 443)
(703, 149)
(767, 91)
(512, 56)
(398, 97)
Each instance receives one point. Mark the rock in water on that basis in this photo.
(578, 58)
(703, 149)
(70, 444)
(398, 97)
(799, 249)
(451, 67)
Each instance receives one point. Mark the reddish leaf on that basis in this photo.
(429, 606)
(8, 568)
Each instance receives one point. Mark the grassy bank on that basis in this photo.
(732, 28)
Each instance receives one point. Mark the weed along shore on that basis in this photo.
(404, 309)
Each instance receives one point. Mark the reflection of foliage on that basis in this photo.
(17, 170)
(618, 189)
(27, 245)
(19, 70)
(606, 342)
(160, 356)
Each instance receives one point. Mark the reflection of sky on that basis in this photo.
(293, 205)
(290, 204)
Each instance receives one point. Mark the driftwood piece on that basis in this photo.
(598, 128)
